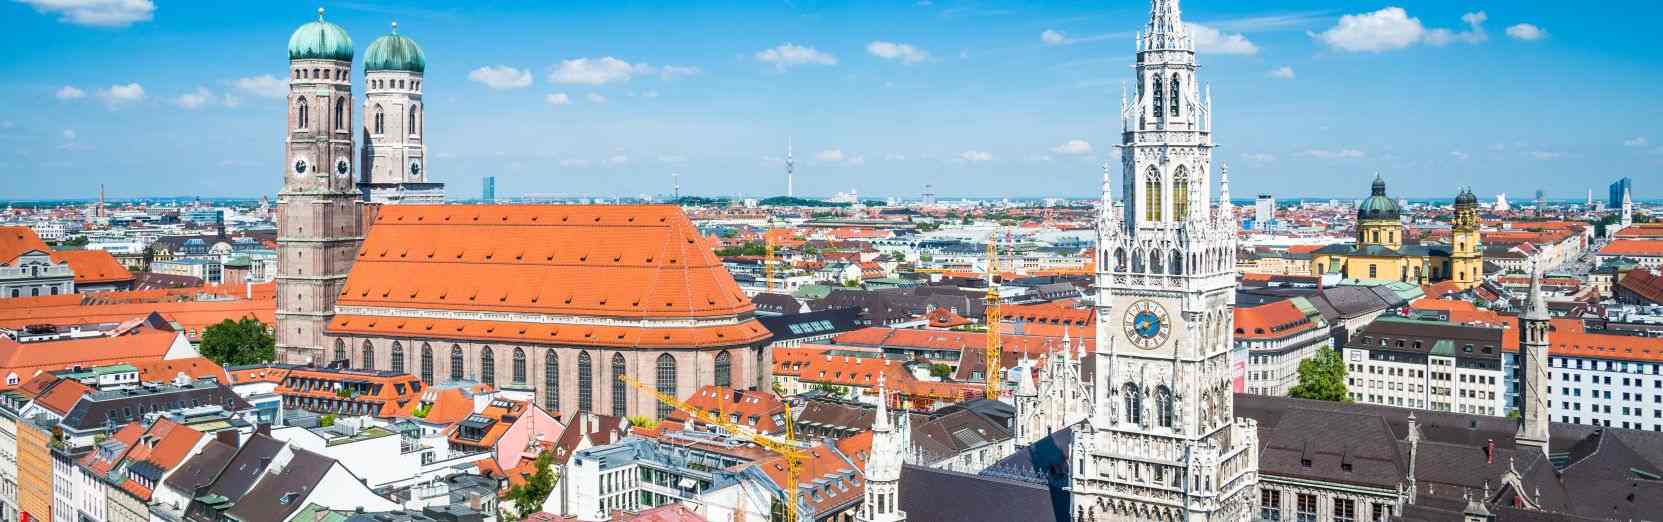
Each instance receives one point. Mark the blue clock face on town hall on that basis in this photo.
(1146, 324)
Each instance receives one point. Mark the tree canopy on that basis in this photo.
(236, 343)
(528, 498)
(1322, 378)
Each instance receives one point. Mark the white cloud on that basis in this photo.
(596, 71)
(670, 72)
(1543, 155)
(1474, 33)
(558, 98)
(975, 155)
(69, 92)
(1333, 154)
(69, 142)
(118, 95)
(1258, 157)
(1282, 73)
(1526, 32)
(1460, 155)
(790, 55)
(1637, 141)
(264, 86)
(100, 13)
(501, 77)
(830, 155)
(1392, 28)
(1053, 37)
(69, 134)
(595, 98)
(1073, 148)
(855, 160)
(197, 99)
(1211, 41)
(900, 52)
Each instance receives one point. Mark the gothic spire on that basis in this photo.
(1163, 17)
(1225, 208)
(880, 423)
(1535, 308)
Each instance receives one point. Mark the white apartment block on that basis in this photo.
(1276, 337)
(1428, 365)
(1600, 379)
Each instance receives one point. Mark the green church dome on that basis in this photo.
(320, 40)
(394, 52)
(1466, 198)
(1378, 205)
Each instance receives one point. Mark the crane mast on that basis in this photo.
(993, 374)
(785, 448)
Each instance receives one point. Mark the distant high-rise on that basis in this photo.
(1264, 211)
(489, 192)
(790, 172)
(1614, 201)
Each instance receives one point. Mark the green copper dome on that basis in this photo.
(1378, 205)
(320, 40)
(394, 52)
(1466, 198)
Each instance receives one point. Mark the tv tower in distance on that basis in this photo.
(790, 169)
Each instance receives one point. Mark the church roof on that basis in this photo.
(394, 52)
(1378, 205)
(620, 261)
(320, 40)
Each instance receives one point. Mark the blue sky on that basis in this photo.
(977, 98)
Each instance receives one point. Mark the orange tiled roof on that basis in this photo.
(1644, 283)
(191, 315)
(395, 393)
(193, 367)
(944, 318)
(28, 359)
(755, 409)
(16, 241)
(1633, 247)
(504, 413)
(165, 444)
(589, 260)
(1570, 339)
(93, 266)
(850, 371)
(881, 336)
(445, 406)
(62, 396)
(582, 334)
(1642, 230)
(821, 462)
(1304, 249)
(1274, 320)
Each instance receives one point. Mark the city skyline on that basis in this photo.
(881, 100)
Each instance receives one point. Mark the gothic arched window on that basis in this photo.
(1177, 267)
(585, 383)
(1137, 261)
(519, 366)
(551, 381)
(1134, 404)
(412, 128)
(301, 116)
(1160, 98)
(619, 389)
(1156, 259)
(427, 363)
(1152, 195)
(340, 113)
(665, 381)
(1181, 193)
(1163, 406)
(367, 362)
(1174, 96)
(1120, 260)
(487, 367)
(724, 369)
(398, 357)
(380, 120)
(455, 362)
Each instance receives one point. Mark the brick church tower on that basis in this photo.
(319, 228)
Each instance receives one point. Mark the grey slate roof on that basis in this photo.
(279, 494)
(933, 495)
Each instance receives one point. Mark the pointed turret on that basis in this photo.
(883, 468)
(1534, 325)
(1226, 209)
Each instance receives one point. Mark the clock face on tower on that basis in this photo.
(415, 169)
(1146, 324)
(300, 166)
(341, 167)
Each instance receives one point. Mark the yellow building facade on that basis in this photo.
(1380, 252)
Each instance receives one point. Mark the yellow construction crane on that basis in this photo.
(785, 448)
(768, 256)
(993, 374)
